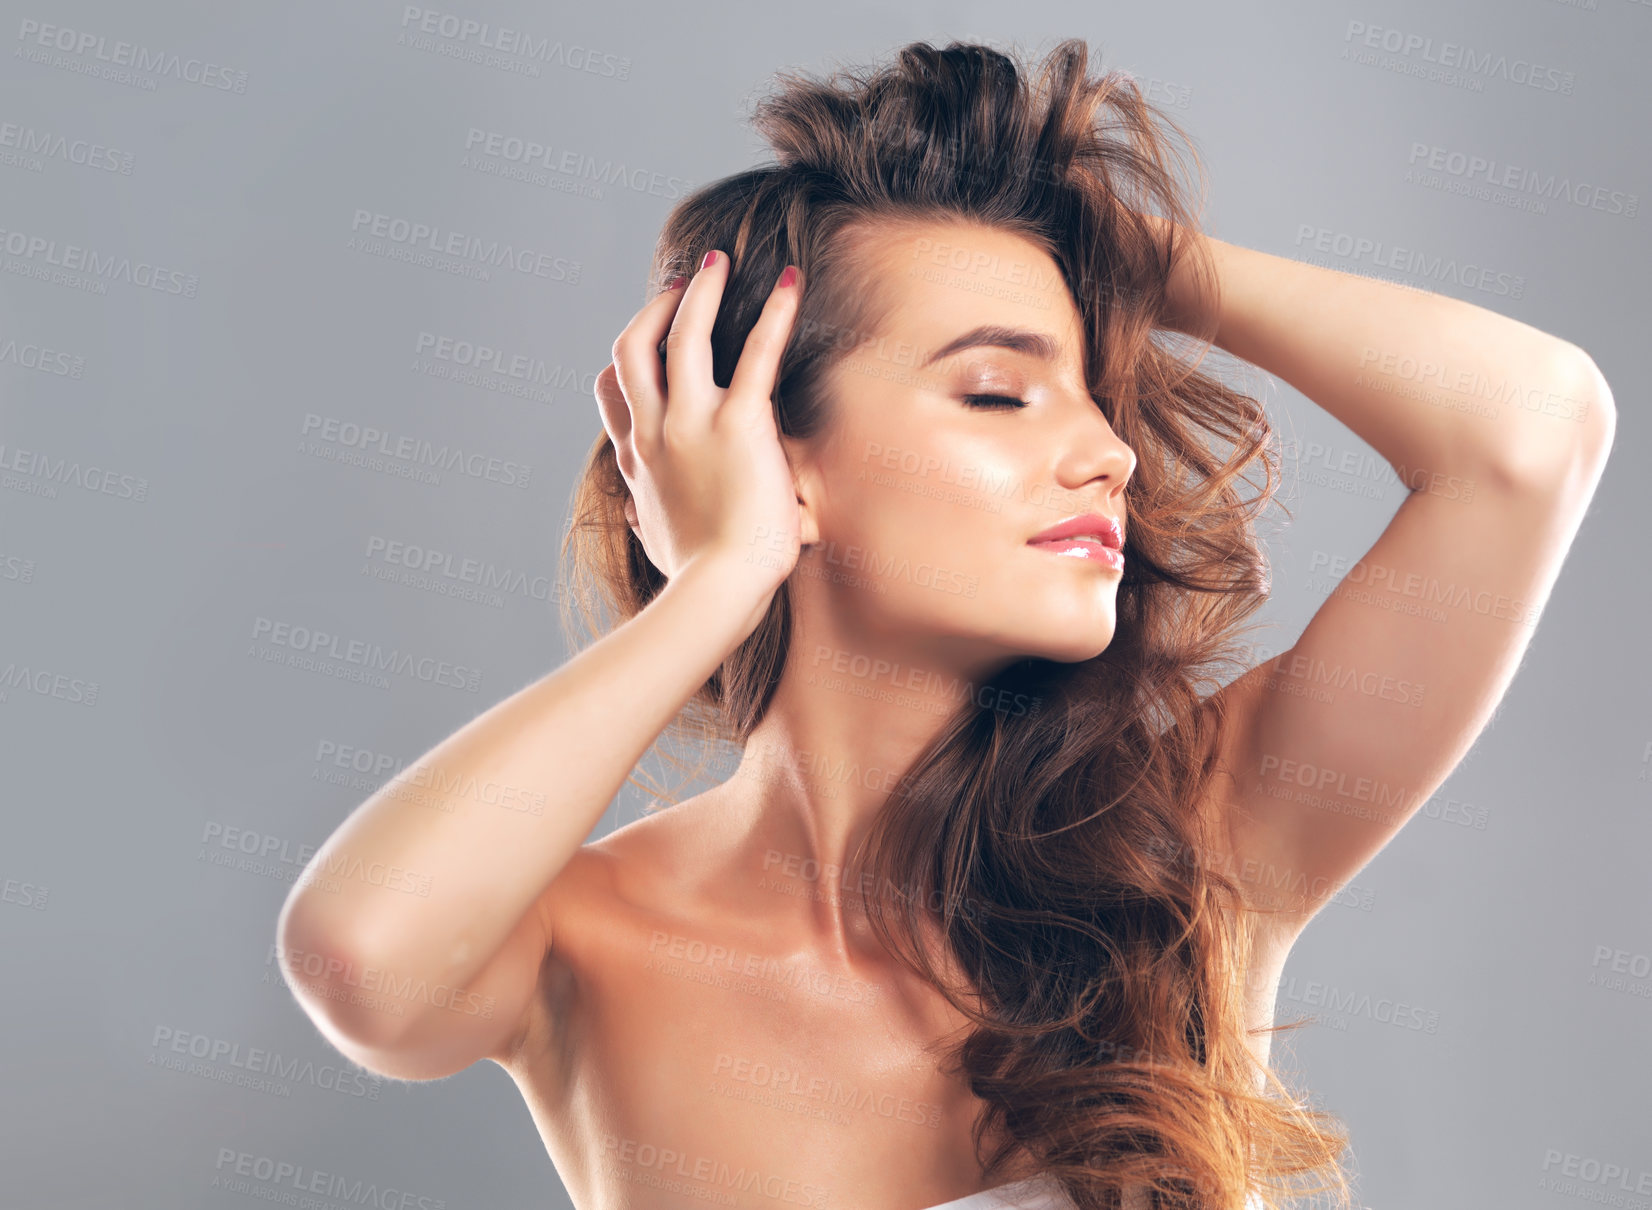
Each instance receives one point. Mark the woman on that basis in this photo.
(946, 535)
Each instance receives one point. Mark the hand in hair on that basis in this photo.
(708, 477)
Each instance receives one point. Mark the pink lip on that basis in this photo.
(1079, 549)
(1089, 525)
(1066, 539)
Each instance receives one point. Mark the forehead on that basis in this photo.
(939, 279)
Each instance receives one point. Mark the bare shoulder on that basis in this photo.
(615, 870)
(598, 907)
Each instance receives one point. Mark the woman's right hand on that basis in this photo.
(709, 480)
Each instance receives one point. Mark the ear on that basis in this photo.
(806, 479)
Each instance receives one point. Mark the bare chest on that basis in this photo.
(675, 1066)
(675, 1062)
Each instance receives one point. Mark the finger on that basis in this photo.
(616, 416)
(751, 390)
(689, 383)
(638, 371)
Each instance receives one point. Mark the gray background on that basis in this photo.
(118, 919)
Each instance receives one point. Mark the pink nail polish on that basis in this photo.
(788, 276)
(710, 260)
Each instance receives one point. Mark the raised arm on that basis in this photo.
(1501, 432)
(425, 957)
(437, 884)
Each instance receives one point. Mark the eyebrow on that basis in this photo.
(1018, 339)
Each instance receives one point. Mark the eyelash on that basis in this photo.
(1001, 400)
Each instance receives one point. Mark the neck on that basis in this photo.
(840, 733)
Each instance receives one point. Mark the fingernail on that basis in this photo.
(677, 281)
(788, 276)
(710, 260)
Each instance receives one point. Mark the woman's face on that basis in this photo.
(930, 481)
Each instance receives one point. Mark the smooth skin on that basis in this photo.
(690, 1001)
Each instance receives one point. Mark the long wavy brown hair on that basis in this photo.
(1107, 1032)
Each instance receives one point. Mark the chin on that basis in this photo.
(1074, 647)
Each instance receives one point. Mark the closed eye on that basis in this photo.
(990, 401)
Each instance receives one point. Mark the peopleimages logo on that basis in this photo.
(371, 446)
(429, 563)
(526, 155)
(1345, 1004)
(1469, 167)
(1380, 254)
(484, 35)
(953, 690)
(31, 356)
(486, 359)
(785, 1080)
(254, 1067)
(39, 40)
(451, 788)
(45, 683)
(325, 970)
(262, 853)
(39, 475)
(379, 233)
(236, 1169)
(325, 644)
(46, 145)
(39, 250)
(1584, 1172)
(1457, 57)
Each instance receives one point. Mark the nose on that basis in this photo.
(1090, 452)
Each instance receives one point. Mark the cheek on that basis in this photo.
(941, 518)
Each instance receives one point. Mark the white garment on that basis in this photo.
(1042, 1192)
